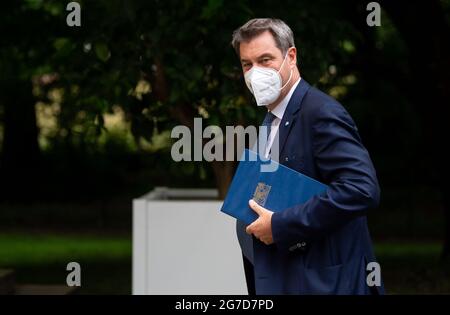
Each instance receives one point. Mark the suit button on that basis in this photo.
(303, 243)
(286, 159)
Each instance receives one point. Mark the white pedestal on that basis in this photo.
(185, 245)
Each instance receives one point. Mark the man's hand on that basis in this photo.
(262, 227)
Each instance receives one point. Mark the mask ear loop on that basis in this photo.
(290, 75)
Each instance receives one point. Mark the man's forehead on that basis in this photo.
(258, 46)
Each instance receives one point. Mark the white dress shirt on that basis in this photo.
(278, 111)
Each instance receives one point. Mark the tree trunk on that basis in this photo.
(184, 114)
(224, 171)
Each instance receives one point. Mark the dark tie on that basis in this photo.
(267, 122)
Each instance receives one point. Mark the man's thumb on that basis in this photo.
(256, 207)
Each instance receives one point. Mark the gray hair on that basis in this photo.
(281, 32)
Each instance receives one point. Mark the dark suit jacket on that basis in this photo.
(322, 246)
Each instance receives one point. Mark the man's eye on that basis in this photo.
(265, 60)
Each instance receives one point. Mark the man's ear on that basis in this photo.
(292, 52)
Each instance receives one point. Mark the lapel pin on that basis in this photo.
(286, 123)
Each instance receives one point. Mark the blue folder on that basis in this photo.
(275, 191)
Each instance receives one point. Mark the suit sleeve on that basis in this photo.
(345, 165)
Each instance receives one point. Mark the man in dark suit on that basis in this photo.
(322, 246)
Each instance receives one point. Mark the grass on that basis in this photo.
(407, 267)
(44, 249)
(105, 261)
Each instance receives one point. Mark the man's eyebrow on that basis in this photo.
(260, 57)
(266, 55)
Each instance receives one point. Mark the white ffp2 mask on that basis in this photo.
(265, 83)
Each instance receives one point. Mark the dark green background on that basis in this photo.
(80, 136)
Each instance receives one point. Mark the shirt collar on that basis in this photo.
(279, 110)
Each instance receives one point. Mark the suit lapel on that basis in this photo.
(291, 112)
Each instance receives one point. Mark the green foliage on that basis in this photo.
(181, 48)
(180, 52)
